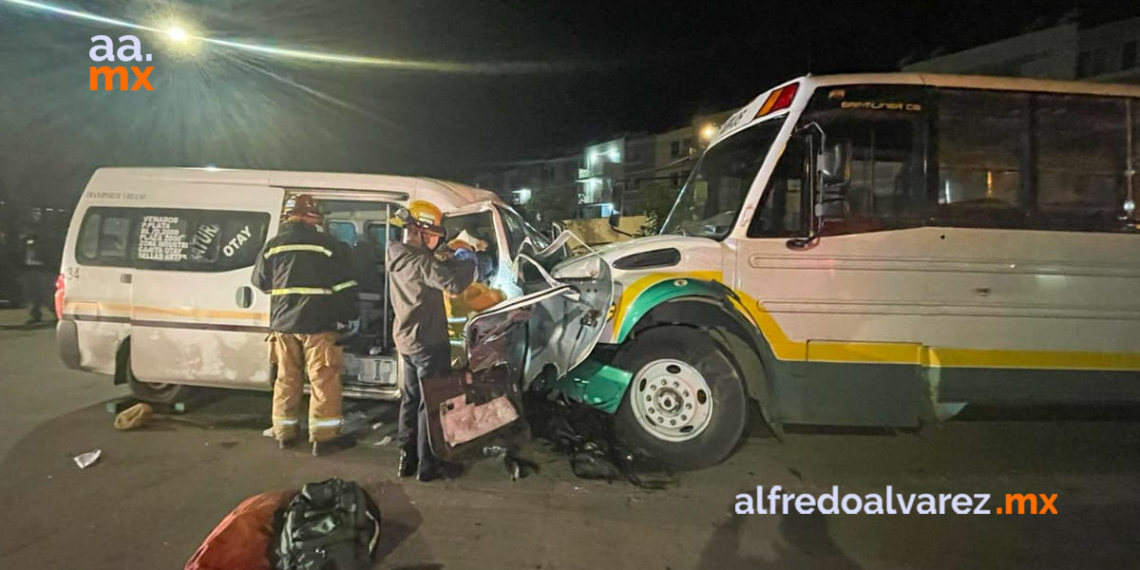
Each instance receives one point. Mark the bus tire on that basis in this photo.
(686, 405)
(152, 393)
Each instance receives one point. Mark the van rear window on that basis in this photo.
(171, 239)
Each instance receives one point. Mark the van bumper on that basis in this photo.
(67, 342)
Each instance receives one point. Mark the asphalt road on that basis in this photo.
(157, 492)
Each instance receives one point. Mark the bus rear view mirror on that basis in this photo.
(835, 163)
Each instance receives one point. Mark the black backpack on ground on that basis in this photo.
(331, 525)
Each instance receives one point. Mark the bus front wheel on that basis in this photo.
(685, 405)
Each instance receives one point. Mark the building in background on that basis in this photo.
(1068, 51)
(603, 177)
(520, 182)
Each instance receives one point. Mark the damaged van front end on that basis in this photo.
(533, 341)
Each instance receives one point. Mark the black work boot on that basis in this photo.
(442, 470)
(286, 443)
(328, 447)
(409, 463)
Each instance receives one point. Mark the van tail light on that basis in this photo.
(59, 285)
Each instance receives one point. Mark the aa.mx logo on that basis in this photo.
(130, 50)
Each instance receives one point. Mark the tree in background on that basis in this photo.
(656, 197)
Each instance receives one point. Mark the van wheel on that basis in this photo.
(686, 404)
(156, 393)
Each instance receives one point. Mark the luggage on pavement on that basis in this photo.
(330, 525)
(242, 539)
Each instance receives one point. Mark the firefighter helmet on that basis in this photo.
(303, 206)
(420, 213)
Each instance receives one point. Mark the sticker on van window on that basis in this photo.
(200, 248)
(237, 241)
(162, 238)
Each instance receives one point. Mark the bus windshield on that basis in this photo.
(710, 201)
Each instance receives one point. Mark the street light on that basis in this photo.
(177, 34)
(708, 131)
(182, 38)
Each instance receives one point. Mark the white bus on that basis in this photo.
(880, 250)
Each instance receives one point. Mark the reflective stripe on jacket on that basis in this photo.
(309, 275)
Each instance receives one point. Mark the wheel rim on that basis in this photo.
(671, 400)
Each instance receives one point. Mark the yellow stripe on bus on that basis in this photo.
(864, 352)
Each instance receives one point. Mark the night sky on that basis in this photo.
(552, 75)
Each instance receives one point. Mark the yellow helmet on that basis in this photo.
(421, 213)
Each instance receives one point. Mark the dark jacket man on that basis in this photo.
(418, 282)
(308, 275)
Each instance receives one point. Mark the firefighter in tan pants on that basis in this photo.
(308, 275)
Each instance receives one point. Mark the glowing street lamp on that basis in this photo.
(177, 34)
(708, 131)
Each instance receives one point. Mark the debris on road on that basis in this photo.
(517, 466)
(377, 425)
(134, 417)
(387, 439)
(85, 460)
(586, 436)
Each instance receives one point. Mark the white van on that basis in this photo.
(881, 250)
(155, 286)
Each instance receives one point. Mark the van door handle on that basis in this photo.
(244, 297)
(125, 278)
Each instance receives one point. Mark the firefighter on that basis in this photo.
(419, 279)
(308, 275)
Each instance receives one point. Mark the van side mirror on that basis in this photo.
(835, 163)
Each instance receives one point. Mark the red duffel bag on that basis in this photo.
(241, 540)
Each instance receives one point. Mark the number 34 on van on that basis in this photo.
(130, 49)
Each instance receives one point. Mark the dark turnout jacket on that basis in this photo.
(418, 281)
(309, 277)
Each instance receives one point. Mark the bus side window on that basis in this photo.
(785, 200)
(887, 188)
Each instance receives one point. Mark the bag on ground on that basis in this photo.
(330, 525)
(242, 540)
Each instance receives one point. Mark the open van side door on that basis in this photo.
(195, 316)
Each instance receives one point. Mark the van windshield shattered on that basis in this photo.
(710, 201)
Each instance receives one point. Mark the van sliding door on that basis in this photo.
(195, 316)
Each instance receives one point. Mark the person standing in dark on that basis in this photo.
(418, 280)
(39, 260)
